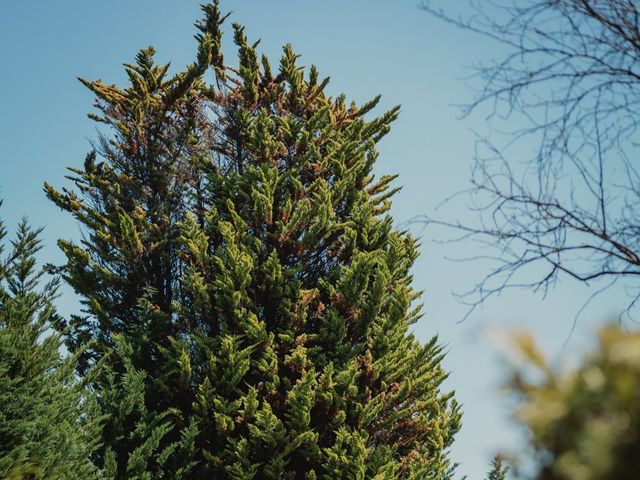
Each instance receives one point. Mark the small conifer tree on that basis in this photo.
(46, 426)
(498, 470)
(243, 282)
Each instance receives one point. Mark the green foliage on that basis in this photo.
(498, 470)
(47, 427)
(243, 284)
(584, 423)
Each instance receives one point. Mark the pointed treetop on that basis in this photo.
(210, 25)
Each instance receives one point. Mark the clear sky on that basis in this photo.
(367, 47)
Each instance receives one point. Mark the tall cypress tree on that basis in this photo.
(46, 425)
(241, 271)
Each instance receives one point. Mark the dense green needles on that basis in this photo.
(242, 281)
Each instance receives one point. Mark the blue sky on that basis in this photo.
(367, 47)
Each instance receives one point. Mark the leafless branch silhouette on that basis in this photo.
(568, 82)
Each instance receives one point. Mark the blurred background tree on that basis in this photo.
(582, 423)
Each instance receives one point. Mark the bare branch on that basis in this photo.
(569, 80)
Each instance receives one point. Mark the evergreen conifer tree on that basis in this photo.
(46, 426)
(243, 282)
